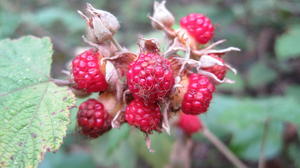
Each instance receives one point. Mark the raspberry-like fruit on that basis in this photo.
(150, 77)
(146, 117)
(87, 73)
(199, 92)
(198, 26)
(189, 124)
(218, 70)
(92, 118)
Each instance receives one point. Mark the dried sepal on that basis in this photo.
(185, 38)
(178, 92)
(165, 112)
(148, 143)
(208, 61)
(162, 15)
(111, 73)
(118, 119)
(216, 80)
(175, 46)
(148, 45)
(231, 68)
(109, 99)
(108, 19)
(102, 25)
(176, 64)
(121, 60)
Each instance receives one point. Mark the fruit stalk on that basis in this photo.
(222, 148)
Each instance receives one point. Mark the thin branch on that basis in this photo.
(169, 32)
(261, 162)
(117, 44)
(222, 148)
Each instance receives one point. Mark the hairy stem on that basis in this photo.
(222, 148)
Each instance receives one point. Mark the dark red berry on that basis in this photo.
(199, 92)
(86, 72)
(189, 124)
(146, 117)
(150, 77)
(218, 70)
(92, 118)
(198, 26)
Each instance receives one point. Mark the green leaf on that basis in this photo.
(34, 112)
(116, 137)
(294, 153)
(287, 44)
(161, 144)
(260, 74)
(123, 155)
(60, 159)
(244, 119)
(293, 90)
(9, 23)
(247, 142)
(237, 86)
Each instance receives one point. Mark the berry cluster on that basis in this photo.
(146, 89)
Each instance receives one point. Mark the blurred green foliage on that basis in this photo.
(267, 86)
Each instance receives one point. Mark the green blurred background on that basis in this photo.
(267, 87)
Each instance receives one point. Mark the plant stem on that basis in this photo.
(222, 148)
(261, 162)
(117, 44)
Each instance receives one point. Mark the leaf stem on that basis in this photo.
(222, 148)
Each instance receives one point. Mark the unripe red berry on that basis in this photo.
(199, 92)
(150, 77)
(194, 95)
(146, 117)
(189, 124)
(92, 118)
(198, 26)
(87, 73)
(218, 70)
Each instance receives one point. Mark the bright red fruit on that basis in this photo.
(86, 72)
(198, 26)
(199, 92)
(147, 118)
(92, 118)
(189, 124)
(150, 77)
(218, 70)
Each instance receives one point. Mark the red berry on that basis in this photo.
(218, 70)
(198, 26)
(86, 72)
(150, 77)
(199, 92)
(146, 117)
(92, 118)
(189, 124)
